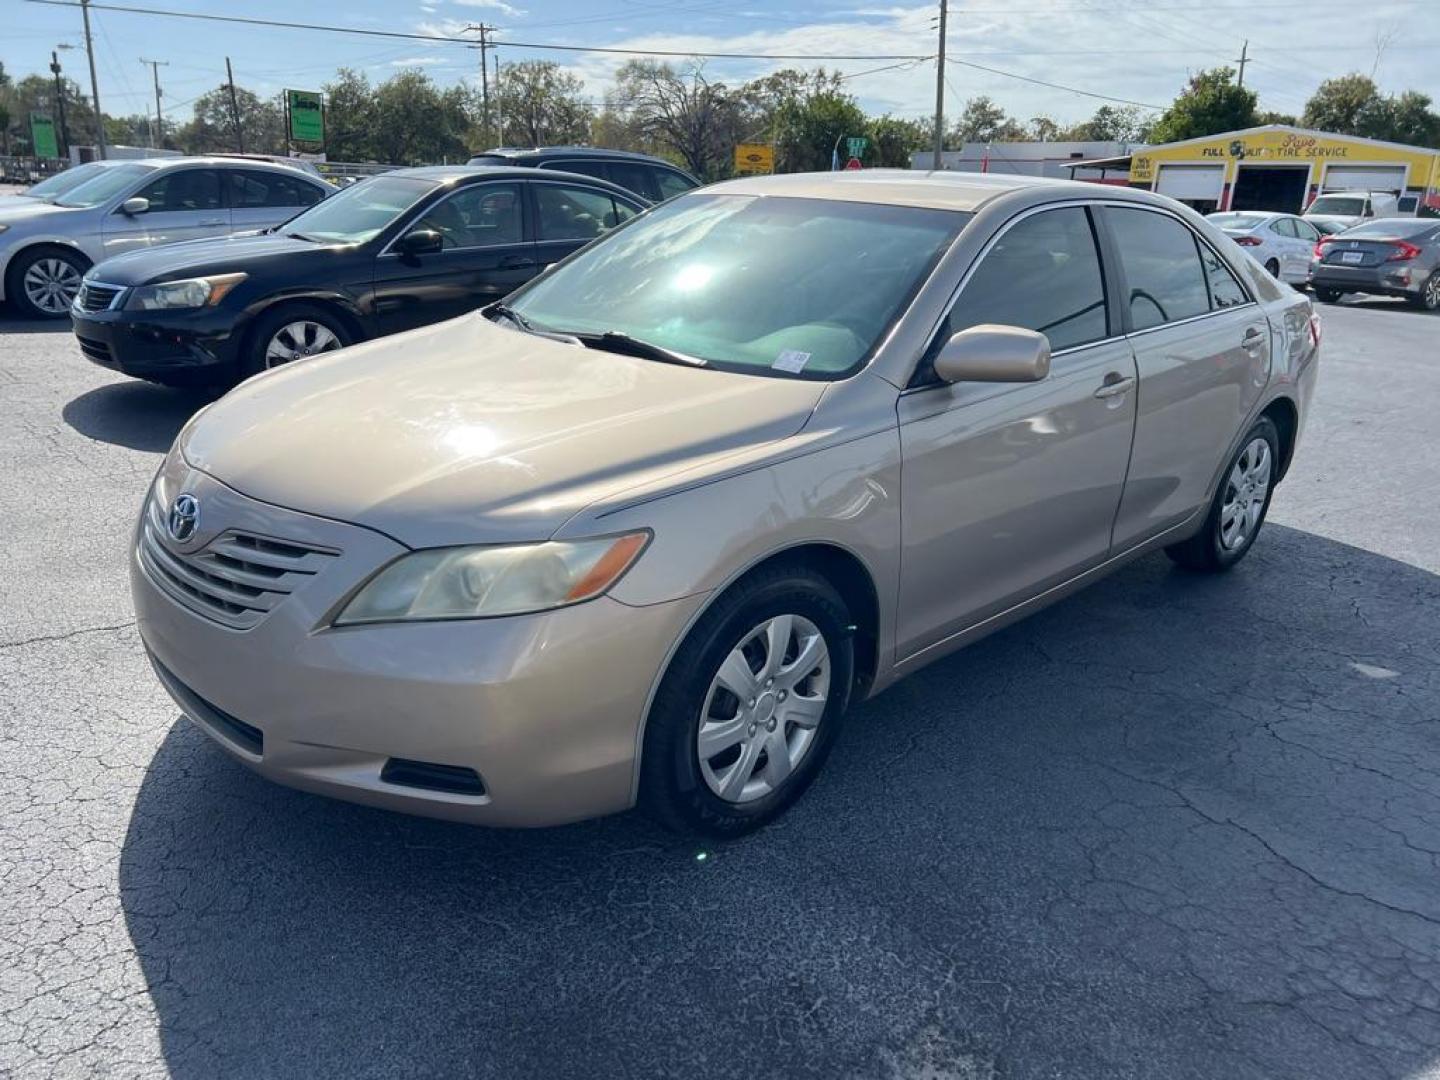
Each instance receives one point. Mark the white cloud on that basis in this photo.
(418, 61)
(493, 5)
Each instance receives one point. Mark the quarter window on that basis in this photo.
(633, 177)
(1164, 278)
(485, 215)
(1283, 227)
(572, 213)
(671, 183)
(1043, 274)
(183, 189)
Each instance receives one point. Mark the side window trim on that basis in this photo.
(1127, 327)
(419, 214)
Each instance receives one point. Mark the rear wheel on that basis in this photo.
(1327, 296)
(42, 284)
(1428, 298)
(1272, 266)
(1239, 507)
(750, 706)
(292, 332)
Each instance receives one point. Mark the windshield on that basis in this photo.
(1388, 227)
(1337, 204)
(104, 185)
(62, 182)
(1237, 222)
(796, 287)
(361, 211)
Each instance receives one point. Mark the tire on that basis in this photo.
(1428, 298)
(260, 350)
(1327, 296)
(1248, 482)
(1272, 267)
(736, 791)
(42, 282)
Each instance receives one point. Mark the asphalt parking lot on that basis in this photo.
(1172, 827)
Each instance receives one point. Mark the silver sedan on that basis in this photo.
(47, 243)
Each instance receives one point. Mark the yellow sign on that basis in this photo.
(753, 159)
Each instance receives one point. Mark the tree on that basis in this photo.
(982, 120)
(1353, 105)
(1110, 124)
(807, 130)
(212, 127)
(36, 93)
(540, 104)
(1045, 129)
(1212, 103)
(416, 123)
(349, 116)
(680, 111)
(893, 141)
(1409, 119)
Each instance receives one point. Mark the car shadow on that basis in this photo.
(138, 415)
(1174, 826)
(11, 323)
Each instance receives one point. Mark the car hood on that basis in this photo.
(468, 432)
(168, 262)
(23, 210)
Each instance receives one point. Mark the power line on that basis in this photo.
(612, 50)
(1056, 86)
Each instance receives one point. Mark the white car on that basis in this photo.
(48, 243)
(1282, 243)
(1346, 209)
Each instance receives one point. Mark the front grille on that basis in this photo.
(236, 579)
(95, 350)
(96, 297)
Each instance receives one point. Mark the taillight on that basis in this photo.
(1403, 251)
(1249, 241)
(1320, 247)
(1315, 329)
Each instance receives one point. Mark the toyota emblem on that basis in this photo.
(184, 517)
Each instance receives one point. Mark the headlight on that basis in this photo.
(483, 582)
(191, 293)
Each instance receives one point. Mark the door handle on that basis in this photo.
(213, 221)
(516, 262)
(1115, 385)
(1253, 337)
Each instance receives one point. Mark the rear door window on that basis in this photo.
(634, 177)
(1160, 259)
(670, 183)
(250, 189)
(576, 213)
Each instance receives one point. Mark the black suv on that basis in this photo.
(651, 177)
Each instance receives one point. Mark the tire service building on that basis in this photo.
(1283, 168)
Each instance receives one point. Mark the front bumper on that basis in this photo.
(1387, 279)
(545, 709)
(196, 346)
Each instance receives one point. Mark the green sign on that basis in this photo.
(307, 116)
(42, 136)
(855, 146)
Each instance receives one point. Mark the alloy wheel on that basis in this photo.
(1432, 292)
(760, 715)
(51, 284)
(1245, 491)
(299, 339)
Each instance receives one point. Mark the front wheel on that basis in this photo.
(292, 332)
(750, 706)
(1239, 507)
(1327, 296)
(42, 284)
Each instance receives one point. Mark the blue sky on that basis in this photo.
(1136, 49)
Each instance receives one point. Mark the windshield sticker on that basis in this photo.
(791, 360)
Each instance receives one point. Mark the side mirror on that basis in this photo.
(137, 205)
(991, 353)
(421, 242)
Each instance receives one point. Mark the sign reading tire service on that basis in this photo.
(307, 116)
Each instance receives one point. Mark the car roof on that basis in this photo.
(571, 151)
(447, 174)
(938, 190)
(234, 162)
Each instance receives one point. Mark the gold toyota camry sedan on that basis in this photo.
(645, 531)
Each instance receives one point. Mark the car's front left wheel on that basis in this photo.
(292, 332)
(42, 283)
(750, 705)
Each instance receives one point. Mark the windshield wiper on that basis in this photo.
(505, 311)
(617, 342)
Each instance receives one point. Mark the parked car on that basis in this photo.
(302, 164)
(654, 178)
(1393, 257)
(645, 530)
(1344, 209)
(1281, 243)
(55, 185)
(46, 247)
(393, 252)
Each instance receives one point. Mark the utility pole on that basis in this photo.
(499, 119)
(94, 83)
(937, 160)
(1244, 59)
(60, 99)
(155, 66)
(235, 109)
(484, 30)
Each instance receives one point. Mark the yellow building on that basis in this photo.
(1277, 167)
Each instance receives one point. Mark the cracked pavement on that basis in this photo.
(1174, 826)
